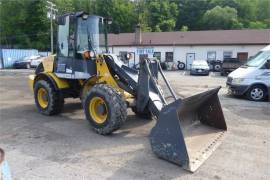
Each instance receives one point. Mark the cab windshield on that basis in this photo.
(259, 59)
(91, 35)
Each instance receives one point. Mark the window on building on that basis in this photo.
(242, 56)
(227, 54)
(157, 55)
(211, 55)
(169, 56)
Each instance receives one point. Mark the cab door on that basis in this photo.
(65, 50)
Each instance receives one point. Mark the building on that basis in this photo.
(191, 45)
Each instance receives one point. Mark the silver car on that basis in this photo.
(199, 67)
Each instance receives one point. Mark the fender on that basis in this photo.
(48, 63)
(50, 77)
(87, 85)
(259, 83)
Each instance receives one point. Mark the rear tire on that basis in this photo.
(105, 109)
(257, 93)
(48, 100)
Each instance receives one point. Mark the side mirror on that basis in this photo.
(108, 20)
(267, 64)
(128, 56)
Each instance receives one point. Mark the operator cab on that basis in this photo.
(80, 38)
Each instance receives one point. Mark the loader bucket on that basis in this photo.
(189, 130)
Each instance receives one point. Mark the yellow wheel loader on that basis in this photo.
(187, 130)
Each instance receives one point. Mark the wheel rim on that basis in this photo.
(98, 110)
(42, 96)
(256, 93)
(217, 67)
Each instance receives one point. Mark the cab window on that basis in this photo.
(63, 33)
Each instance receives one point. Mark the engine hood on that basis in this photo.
(243, 72)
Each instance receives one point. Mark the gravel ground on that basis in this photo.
(65, 147)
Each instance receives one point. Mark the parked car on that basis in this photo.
(25, 62)
(199, 67)
(253, 78)
(229, 65)
(35, 62)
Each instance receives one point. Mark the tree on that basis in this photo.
(257, 25)
(23, 23)
(184, 28)
(190, 13)
(121, 11)
(37, 24)
(163, 15)
(220, 18)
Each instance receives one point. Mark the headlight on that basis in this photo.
(237, 80)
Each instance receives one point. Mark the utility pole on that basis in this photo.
(51, 14)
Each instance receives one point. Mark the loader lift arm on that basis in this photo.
(187, 130)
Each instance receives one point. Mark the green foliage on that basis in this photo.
(184, 28)
(220, 18)
(24, 23)
(190, 13)
(257, 25)
(162, 16)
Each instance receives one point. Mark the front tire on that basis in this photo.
(257, 93)
(48, 100)
(105, 109)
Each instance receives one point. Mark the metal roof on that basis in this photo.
(213, 37)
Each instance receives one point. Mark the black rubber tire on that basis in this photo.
(181, 65)
(55, 98)
(39, 69)
(146, 114)
(262, 88)
(217, 66)
(117, 108)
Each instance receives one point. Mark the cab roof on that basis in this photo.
(60, 20)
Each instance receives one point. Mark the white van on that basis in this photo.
(253, 78)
